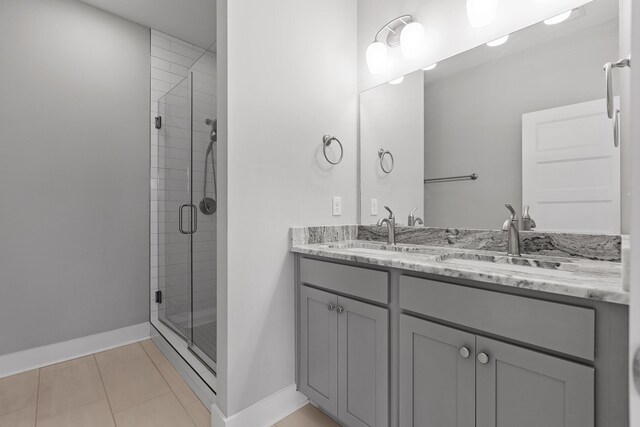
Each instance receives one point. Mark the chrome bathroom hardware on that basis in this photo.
(381, 153)
(464, 352)
(194, 216)
(331, 307)
(512, 225)
(471, 177)
(612, 111)
(391, 226)
(608, 68)
(483, 358)
(339, 309)
(528, 223)
(209, 205)
(326, 141)
(412, 221)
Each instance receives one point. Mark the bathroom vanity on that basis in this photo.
(448, 334)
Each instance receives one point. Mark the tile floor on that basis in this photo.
(130, 386)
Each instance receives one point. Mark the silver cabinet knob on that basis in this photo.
(483, 358)
(331, 307)
(339, 309)
(464, 352)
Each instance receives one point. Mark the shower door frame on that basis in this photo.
(183, 343)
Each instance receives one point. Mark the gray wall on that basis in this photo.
(74, 172)
(481, 131)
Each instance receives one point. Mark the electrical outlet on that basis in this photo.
(337, 206)
(374, 207)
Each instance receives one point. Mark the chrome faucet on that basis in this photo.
(512, 225)
(391, 226)
(412, 221)
(528, 223)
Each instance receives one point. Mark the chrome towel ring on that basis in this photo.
(381, 153)
(326, 141)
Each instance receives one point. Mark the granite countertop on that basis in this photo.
(573, 276)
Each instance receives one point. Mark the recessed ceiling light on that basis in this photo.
(430, 67)
(558, 18)
(498, 42)
(397, 81)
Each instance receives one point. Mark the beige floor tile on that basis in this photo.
(18, 391)
(180, 388)
(153, 352)
(96, 414)
(307, 416)
(25, 417)
(132, 383)
(199, 414)
(68, 388)
(163, 411)
(110, 358)
(67, 364)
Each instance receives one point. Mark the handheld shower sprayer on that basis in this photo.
(208, 205)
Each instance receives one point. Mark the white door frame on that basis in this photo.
(634, 308)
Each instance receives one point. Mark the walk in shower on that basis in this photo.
(184, 215)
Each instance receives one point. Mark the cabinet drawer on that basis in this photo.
(559, 327)
(359, 282)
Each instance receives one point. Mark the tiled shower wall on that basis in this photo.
(171, 61)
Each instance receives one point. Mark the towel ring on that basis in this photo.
(326, 141)
(381, 153)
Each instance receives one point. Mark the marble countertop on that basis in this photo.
(582, 278)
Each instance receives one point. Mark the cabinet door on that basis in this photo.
(363, 364)
(437, 375)
(524, 388)
(319, 348)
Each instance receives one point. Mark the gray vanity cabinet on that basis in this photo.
(453, 378)
(344, 357)
(437, 375)
(525, 388)
(319, 349)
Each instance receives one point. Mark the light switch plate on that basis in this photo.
(337, 206)
(374, 207)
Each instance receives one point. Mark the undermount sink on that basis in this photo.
(510, 262)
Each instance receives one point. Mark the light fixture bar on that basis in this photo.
(392, 29)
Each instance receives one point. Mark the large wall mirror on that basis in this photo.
(521, 121)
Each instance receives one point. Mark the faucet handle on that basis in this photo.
(412, 211)
(514, 215)
(525, 212)
(390, 212)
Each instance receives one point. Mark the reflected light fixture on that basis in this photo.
(397, 81)
(498, 42)
(481, 12)
(558, 18)
(402, 31)
(430, 67)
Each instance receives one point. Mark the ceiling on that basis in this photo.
(193, 21)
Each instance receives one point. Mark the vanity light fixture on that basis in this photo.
(498, 42)
(402, 31)
(430, 67)
(481, 12)
(397, 81)
(558, 18)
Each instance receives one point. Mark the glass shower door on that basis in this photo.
(187, 215)
(175, 233)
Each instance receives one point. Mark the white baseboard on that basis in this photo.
(38, 357)
(265, 413)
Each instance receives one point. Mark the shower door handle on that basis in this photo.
(194, 217)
